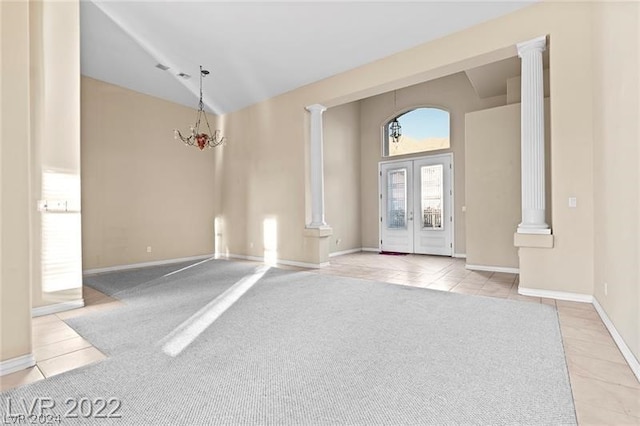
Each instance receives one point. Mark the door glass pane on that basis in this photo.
(431, 177)
(397, 199)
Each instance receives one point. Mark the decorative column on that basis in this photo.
(317, 172)
(316, 233)
(532, 138)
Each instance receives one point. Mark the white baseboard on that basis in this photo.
(278, 261)
(558, 295)
(492, 269)
(343, 252)
(373, 249)
(460, 255)
(145, 264)
(56, 307)
(16, 364)
(586, 298)
(626, 352)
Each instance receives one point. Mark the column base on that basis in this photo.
(533, 222)
(533, 240)
(317, 225)
(316, 243)
(536, 231)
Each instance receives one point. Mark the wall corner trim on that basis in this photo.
(460, 255)
(16, 364)
(626, 351)
(57, 307)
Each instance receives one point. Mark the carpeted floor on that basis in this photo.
(303, 348)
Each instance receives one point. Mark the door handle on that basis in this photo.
(410, 215)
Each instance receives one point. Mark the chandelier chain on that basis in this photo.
(197, 138)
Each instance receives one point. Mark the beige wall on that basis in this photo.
(342, 176)
(263, 176)
(140, 187)
(616, 100)
(493, 184)
(55, 120)
(453, 93)
(514, 87)
(492, 151)
(276, 133)
(15, 292)
(562, 267)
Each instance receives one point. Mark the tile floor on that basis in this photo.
(605, 391)
(57, 347)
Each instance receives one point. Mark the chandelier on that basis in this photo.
(199, 138)
(395, 131)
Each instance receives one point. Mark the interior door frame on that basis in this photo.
(452, 198)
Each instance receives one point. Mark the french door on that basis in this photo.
(416, 214)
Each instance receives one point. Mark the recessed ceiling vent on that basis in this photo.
(183, 75)
(162, 67)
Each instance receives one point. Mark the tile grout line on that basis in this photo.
(57, 341)
(70, 352)
(606, 381)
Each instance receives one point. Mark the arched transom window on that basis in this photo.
(420, 130)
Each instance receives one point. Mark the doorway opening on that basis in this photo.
(416, 214)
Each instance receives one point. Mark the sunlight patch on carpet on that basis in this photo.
(187, 267)
(190, 329)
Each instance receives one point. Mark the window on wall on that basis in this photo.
(61, 235)
(422, 130)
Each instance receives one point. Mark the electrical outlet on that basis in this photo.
(148, 249)
(338, 241)
(606, 289)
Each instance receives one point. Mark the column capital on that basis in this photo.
(316, 108)
(537, 44)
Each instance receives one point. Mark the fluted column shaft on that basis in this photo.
(532, 138)
(316, 166)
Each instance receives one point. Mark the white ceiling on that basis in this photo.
(256, 50)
